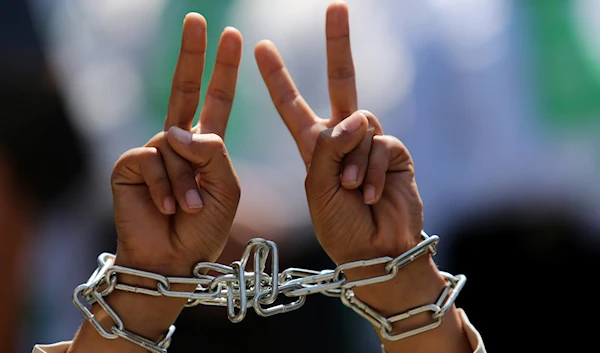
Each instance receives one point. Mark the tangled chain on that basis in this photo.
(238, 289)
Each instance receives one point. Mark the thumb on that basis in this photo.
(331, 147)
(207, 154)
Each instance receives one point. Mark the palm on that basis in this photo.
(153, 236)
(347, 226)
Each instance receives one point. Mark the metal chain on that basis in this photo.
(239, 289)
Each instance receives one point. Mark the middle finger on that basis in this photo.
(340, 67)
(221, 88)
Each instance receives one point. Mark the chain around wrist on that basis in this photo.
(240, 289)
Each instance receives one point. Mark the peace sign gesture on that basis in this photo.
(175, 198)
(360, 184)
(361, 189)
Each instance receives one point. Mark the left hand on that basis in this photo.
(361, 190)
(360, 185)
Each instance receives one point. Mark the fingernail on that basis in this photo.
(369, 194)
(350, 175)
(169, 205)
(183, 136)
(354, 122)
(192, 199)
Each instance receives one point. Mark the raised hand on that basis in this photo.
(176, 197)
(360, 185)
(361, 189)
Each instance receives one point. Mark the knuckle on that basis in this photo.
(192, 50)
(388, 142)
(341, 73)
(159, 136)
(214, 143)
(358, 156)
(221, 95)
(157, 140)
(376, 169)
(123, 166)
(116, 172)
(214, 139)
(184, 176)
(149, 154)
(123, 160)
(162, 181)
(288, 96)
(378, 165)
(188, 87)
(324, 137)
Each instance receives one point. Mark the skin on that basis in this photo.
(17, 211)
(174, 198)
(360, 189)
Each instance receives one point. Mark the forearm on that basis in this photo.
(416, 284)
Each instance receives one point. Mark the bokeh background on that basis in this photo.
(497, 100)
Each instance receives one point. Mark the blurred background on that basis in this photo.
(497, 100)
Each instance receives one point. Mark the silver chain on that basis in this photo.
(239, 289)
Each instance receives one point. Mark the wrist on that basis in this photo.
(416, 284)
(147, 316)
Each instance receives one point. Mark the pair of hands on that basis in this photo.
(175, 198)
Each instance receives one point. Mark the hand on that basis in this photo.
(175, 198)
(360, 185)
(361, 189)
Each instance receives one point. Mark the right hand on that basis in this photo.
(175, 198)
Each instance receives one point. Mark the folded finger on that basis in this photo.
(332, 146)
(389, 158)
(181, 174)
(207, 154)
(144, 165)
(356, 162)
(379, 160)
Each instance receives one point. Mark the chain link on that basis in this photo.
(240, 289)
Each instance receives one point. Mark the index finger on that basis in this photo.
(340, 67)
(187, 79)
(295, 112)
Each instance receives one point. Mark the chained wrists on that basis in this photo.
(239, 288)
